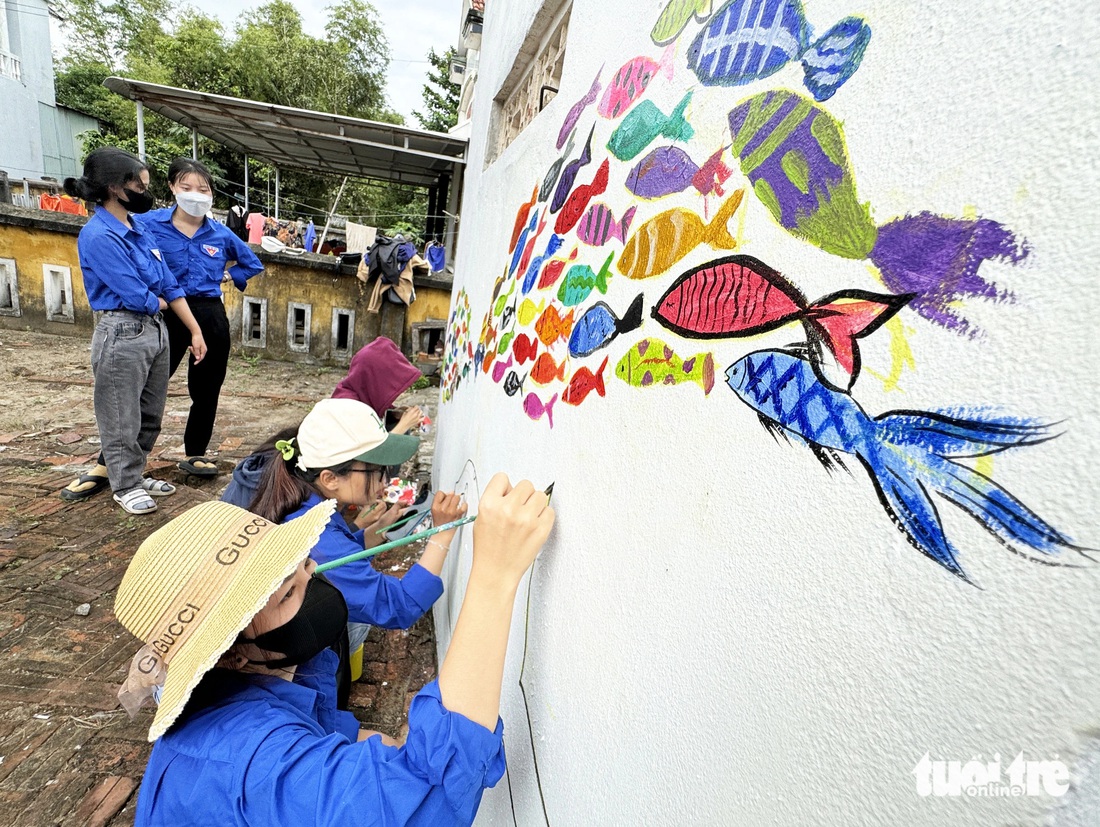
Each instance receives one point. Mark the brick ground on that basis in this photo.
(68, 755)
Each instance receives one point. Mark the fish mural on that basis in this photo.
(551, 178)
(500, 368)
(458, 349)
(578, 200)
(569, 174)
(746, 40)
(546, 370)
(652, 362)
(664, 171)
(552, 247)
(522, 246)
(535, 408)
(644, 125)
(529, 248)
(631, 80)
(583, 382)
(529, 311)
(742, 296)
(522, 215)
(598, 326)
(577, 109)
(553, 270)
(513, 384)
(524, 348)
(580, 281)
(712, 175)
(669, 236)
(908, 455)
(793, 153)
(599, 226)
(552, 326)
(676, 17)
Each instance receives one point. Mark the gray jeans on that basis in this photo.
(357, 633)
(130, 365)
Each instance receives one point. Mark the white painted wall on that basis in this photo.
(720, 632)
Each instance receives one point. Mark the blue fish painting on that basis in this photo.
(552, 247)
(517, 254)
(747, 40)
(908, 454)
(599, 326)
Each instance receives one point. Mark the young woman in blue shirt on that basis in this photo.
(236, 631)
(198, 251)
(128, 285)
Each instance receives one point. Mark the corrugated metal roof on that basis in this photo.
(316, 141)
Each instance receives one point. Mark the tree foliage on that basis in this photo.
(267, 57)
(441, 97)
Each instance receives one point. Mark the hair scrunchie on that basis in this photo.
(287, 448)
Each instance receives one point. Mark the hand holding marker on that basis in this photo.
(404, 541)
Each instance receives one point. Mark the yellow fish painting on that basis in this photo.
(669, 236)
(529, 311)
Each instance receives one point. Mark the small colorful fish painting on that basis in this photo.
(547, 370)
(580, 281)
(746, 40)
(669, 236)
(599, 225)
(552, 326)
(664, 171)
(551, 178)
(524, 348)
(522, 215)
(645, 124)
(577, 202)
(631, 81)
(583, 382)
(577, 109)
(523, 243)
(535, 408)
(793, 152)
(529, 311)
(552, 247)
(712, 175)
(513, 384)
(676, 17)
(652, 362)
(569, 174)
(742, 296)
(553, 270)
(908, 454)
(598, 326)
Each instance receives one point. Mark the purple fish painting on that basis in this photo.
(535, 408)
(578, 108)
(551, 177)
(599, 225)
(664, 171)
(793, 152)
(569, 174)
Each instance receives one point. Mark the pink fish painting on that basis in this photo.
(712, 175)
(599, 225)
(534, 408)
(630, 82)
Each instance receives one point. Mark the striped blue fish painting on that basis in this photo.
(747, 40)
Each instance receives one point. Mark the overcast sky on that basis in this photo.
(412, 27)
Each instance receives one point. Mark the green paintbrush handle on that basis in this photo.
(404, 541)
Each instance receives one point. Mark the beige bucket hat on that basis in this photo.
(194, 584)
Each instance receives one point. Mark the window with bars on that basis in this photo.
(343, 331)
(9, 288)
(535, 77)
(298, 317)
(254, 323)
(57, 286)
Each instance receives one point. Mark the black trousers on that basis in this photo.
(204, 380)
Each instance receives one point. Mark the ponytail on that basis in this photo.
(104, 167)
(284, 485)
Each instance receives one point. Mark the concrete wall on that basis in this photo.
(34, 238)
(720, 630)
(21, 149)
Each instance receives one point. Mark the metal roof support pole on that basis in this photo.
(449, 193)
(246, 183)
(194, 144)
(276, 193)
(328, 221)
(141, 129)
(430, 226)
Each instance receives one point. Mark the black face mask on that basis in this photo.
(137, 202)
(317, 625)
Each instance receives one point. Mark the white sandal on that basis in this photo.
(136, 501)
(157, 488)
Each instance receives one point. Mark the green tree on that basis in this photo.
(441, 97)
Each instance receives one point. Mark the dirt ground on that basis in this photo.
(67, 755)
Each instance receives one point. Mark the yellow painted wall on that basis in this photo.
(31, 248)
(432, 303)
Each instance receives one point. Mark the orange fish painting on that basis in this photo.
(552, 326)
(546, 370)
(669, 236)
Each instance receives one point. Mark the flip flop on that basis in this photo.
(98, 484)
(156, 488)
(191, 466)
(136, 501)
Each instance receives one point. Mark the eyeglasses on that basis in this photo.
(381, 472)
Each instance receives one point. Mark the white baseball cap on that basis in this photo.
(339, 430)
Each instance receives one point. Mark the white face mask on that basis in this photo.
(194, 203)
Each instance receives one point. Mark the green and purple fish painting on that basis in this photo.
(793, 153)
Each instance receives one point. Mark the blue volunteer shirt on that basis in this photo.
(199, 262)
(268, 751)
(123, 267)
(372, 597)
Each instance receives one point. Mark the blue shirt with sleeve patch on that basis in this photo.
(123, 267)
(199, 262)
(270, 751)
(372, 597)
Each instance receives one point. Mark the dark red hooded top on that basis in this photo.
(377, 375)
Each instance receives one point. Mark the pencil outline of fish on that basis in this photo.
(577, 110)
(625, 89)
(908, 454)
(575, 393)
(660, 256)
(832, 322)
(673, 20)
(640, 352)
(601, 310)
